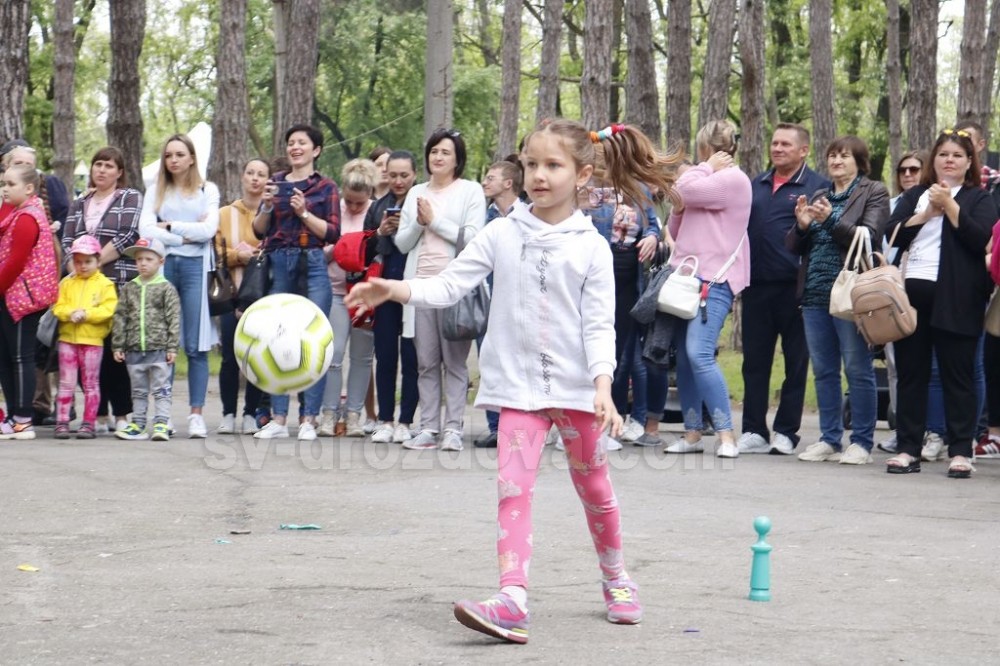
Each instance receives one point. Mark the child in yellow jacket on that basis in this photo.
(86, 305)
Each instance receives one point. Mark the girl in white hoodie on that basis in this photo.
(549, 352)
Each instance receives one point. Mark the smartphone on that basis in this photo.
(396, 210)
(282, 189)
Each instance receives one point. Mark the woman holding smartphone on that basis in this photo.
(298, 216)
(391, 349)
(182, 211)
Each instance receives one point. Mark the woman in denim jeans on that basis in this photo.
(823, 233)
(299, 215)
(182, 211)
(711, 226)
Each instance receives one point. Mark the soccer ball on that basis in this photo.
(284, 344)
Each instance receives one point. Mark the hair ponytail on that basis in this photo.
(629, 161)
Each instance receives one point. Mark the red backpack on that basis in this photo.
(351, 254)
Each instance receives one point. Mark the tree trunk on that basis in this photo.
(990, 67)
(439, 90)
(715, 81)
(124, 126)
(548, 72)
(971, 65)
(231, 117)
(595, 84)
(510, 81)
(642, 99)
(921, 94)
(297, 33)
(894, 74)
(63, 116)
(486, 46)
(15, 20)
(678, 106)
(821, 68)
(752, 91)
(614, 89)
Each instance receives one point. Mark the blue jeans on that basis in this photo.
(699, 377)
(285, 273)
(187, 274)
(935, 391)
(832, 340)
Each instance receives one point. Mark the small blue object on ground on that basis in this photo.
(760, 572)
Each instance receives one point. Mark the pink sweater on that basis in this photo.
(715, 217)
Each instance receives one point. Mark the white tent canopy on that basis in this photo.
(201, 137)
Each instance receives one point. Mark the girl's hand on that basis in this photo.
(78, 316)
(647, 247)
(425, 212)
(171, 357)
(298, 202)
(366, 296)
(719, 161)
(605, 413)
(119, 356)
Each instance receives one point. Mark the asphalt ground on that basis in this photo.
(137, 562)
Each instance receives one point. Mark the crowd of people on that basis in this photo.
(575, 234)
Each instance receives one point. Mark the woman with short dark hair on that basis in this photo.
(825, 227)
(432, 216)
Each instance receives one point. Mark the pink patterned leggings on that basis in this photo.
(520, 439)
(85, 359)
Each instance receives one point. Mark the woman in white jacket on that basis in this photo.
(432, 216)
(182, 211)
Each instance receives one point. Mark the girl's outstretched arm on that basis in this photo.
(367, 296)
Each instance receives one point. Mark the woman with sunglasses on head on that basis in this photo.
(944, 224)
(433, 215)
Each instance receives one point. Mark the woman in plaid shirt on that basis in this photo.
(109, 211)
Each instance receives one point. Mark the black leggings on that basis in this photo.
(17, 360)
(626, 270)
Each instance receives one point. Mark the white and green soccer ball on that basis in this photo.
(284, 343)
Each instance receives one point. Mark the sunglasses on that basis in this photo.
(908, 170)
(961, 133)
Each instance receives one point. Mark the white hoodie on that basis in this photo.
(551, 329)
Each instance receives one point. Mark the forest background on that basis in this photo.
(79, 74)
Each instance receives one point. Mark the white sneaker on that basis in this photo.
(934, 448)
(781, 445)
(452, 441)
(120, 424)
(751, 442)
(101, 428)
(307, 432)
(383, 433)
(612, 444)
(632, 431)
(369, 426)
(401, 433)
(819, 452)
(196, 427)
(273, 430)
(228, 425)
(855, 455)
(728, 450)
(425, 439)
(681, 445)
(327, 422)
(354, 428)
(249, 425)
(889, 445)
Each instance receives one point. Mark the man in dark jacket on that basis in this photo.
(770, 304)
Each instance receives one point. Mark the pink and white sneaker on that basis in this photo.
(499, 616)
(622, 598)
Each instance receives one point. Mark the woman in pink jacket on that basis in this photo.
(711, 227)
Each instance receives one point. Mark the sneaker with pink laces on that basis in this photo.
(499, 616)
(622, 598)
(987, 447)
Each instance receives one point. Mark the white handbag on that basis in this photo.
(680, 295)
(858, 259)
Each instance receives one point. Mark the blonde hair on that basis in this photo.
(359, 176)
(717, 136)
(26, 174)
(191, 180)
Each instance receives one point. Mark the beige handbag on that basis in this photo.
(857, 260)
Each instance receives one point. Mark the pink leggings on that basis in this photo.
(85, 359)
(520, 439)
